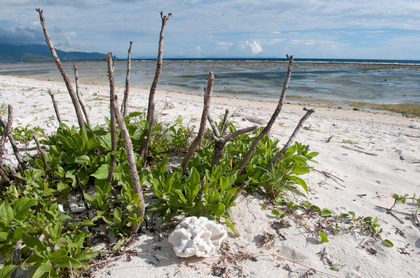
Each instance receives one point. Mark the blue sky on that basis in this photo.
(357, 29)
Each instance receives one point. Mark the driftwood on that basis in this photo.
(267, 128)
(131, 163)
(57, 112)
(6, 127)
(220, 142)
(57, 61)
(112, 117)
(124, 110)
(278, 155)
(194, 145)
(79, 97)
(3, 175)
(6, 130)
(151, 107)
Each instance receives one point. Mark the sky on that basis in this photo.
(352, 29)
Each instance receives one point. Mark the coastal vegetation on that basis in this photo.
(98, 184)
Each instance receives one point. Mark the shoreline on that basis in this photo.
(373, 154)
(408, 110)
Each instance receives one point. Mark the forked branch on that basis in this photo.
(151, 106)
(220, 142)
(57, 61)
(278, 155)
(124, 110)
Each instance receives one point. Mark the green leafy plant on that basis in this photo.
(402, 199)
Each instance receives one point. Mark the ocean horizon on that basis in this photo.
(336, 82)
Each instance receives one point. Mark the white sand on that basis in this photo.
(368, 181)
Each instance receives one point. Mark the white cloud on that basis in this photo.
(220, 27)
(254, 46)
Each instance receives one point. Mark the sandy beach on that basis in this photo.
(364, 158)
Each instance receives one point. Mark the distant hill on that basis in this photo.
(40, 53)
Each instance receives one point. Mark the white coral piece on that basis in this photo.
(199, 237)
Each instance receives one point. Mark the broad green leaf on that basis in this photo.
(63, 261)
(325, 212)
(102, 172)
(388, 243)
(300, 182)
(22, 206)
(86, 255)
(324, 238)
(275, 212)
(181, 195)
(119, 244)
(117, 215)
(59, 253)
(43, 268)
(336, 267)
(231, 226)
(7, 270)
(32, 242)
(18, 233)
(194, 177)
(55, 230)
(300, 170)
(224, 183)
(6, 213)
(83, 159)
(218, 209)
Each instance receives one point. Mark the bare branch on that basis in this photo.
(213, 126)
(79, 97)
(201, 131)
(151, 106)
(131, 163)
(278, 155)
(4, 175)
(267, 129)
(225, 118)
(112, 117)
(41, 152)
(57, 112)
(124, 110)
(63, 73)
(7, 126)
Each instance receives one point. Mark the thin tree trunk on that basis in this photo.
(112, 117)
(131, 163)
(41, 152)
(79, 97)
(6, 130)
(151, 106)
(7, 127)
(194, 145)
(124, 110)
(57, 112)
(278, 155)
(57, 61)
(266, 130)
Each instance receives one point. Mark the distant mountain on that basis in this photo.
(40, 53)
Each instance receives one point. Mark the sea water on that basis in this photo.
(379, 82)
